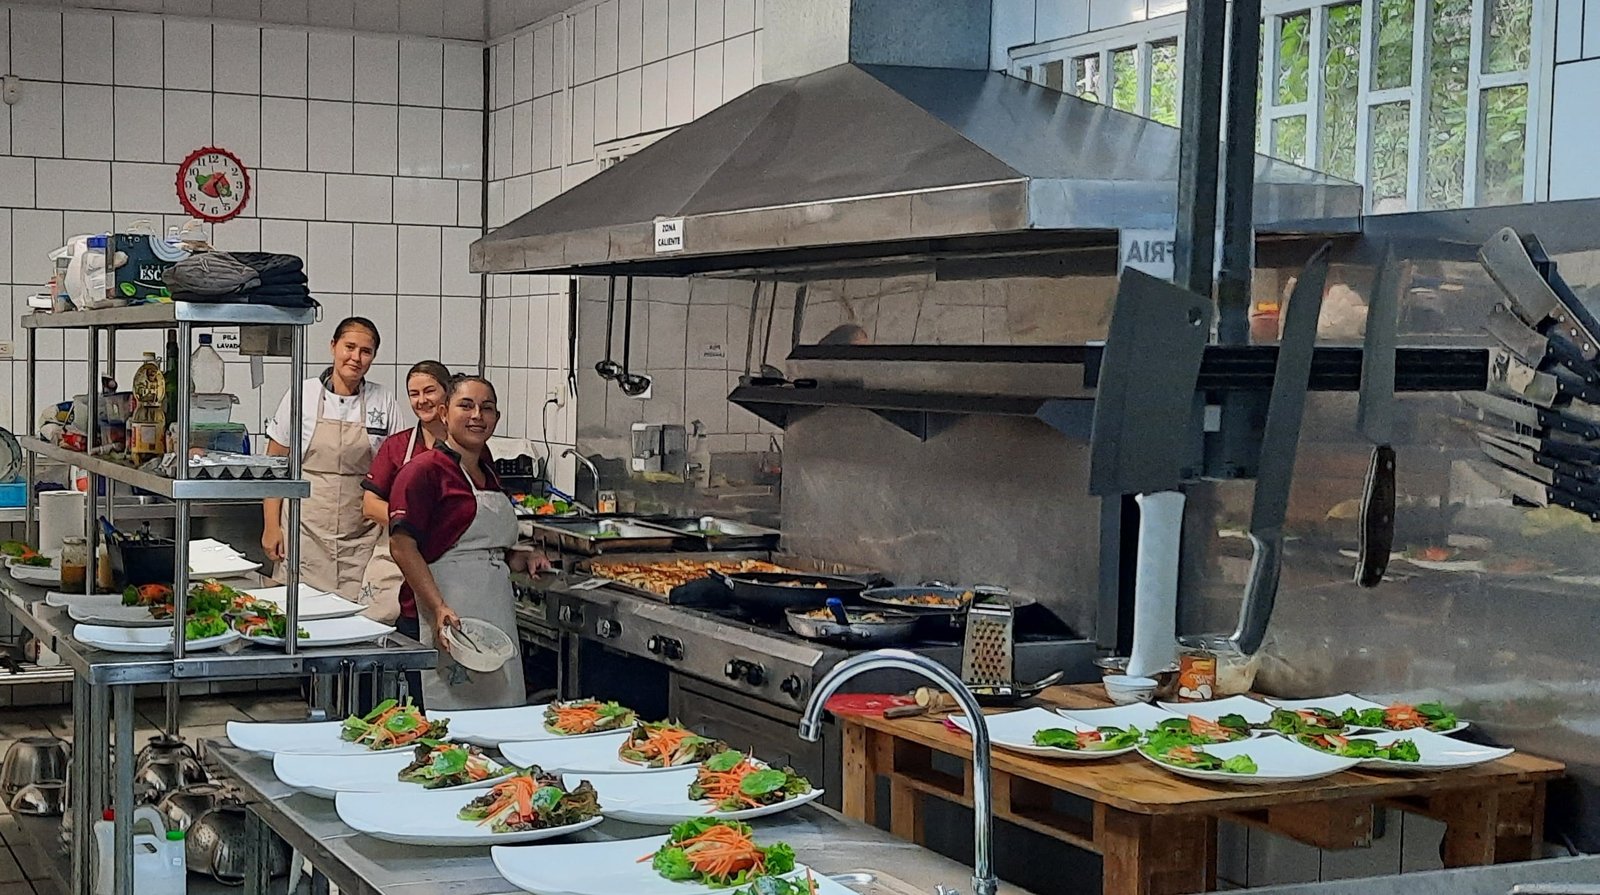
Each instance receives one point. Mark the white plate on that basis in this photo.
(61, 601)
(142, 640)
(577, 755)
(1446, 565)
(314, 604)
(268, 739)
(609, 868)
(108, 611)
(664, 798)
(1337, 704)
(1438, 752)
(429, 818)
(1014, 731)
(523, 724)
(332, 632)
(1140, 714)
(1277, 761)
(1253, 710)
(48, 576)
(217, 566)
(325, 776)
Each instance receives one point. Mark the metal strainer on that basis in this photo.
(986, 655)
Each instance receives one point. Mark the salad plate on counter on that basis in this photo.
(1044, 734)
(1254, 711)
(1139, 714)
(389, 726)
(728, 786)
(517, 809)
(1364, 714)
(1253, 762)
(146, 640)
(329, 632)
(448, 767)
(606, 868)
(573, 719)
(48, 575)
(107, 611)
(1416, 751)
(314, 604)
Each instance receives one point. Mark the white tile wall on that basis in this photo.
(365, 153)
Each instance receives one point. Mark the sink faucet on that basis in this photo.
(983, 878)
(589, 464)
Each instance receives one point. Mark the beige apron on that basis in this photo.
(380, 587)
(336, 540)
(475, 581)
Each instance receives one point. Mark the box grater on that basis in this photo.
(986, 655)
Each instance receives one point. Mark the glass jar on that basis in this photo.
(1233, 673)
(74, 562)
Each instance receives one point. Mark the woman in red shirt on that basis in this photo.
(427, 385)
(452, 531)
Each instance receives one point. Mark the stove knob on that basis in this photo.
(754, 674)
(734, 669)
(672, 648)
(653, 644)
(608, 627)
(792, 685)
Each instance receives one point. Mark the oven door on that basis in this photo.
(771, 731)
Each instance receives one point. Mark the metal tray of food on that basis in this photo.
(592, 537)
(717, 533)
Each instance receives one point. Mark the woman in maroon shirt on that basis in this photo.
(427, 385)
(452, 532)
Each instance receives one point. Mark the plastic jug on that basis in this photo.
(159, 866)
(206, 373)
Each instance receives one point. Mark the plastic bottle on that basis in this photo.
(205, 368)
(148, 425)
(159, 866)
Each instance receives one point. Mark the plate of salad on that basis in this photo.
(1305, 721)
(201, 632)
(528, 807)
(269, 630)
(34, 568)
(1250, 762)
(1197, 731)
(314, 604)
(1045, 734)
(1142, 715)
(528, 723)
(352, 736)
(393, 725)
(1411, 750)
(1364, 714)
(628, 865)
(432, 767)
(581, 755)
(729, 785)
(1254, 711)
(661, 745)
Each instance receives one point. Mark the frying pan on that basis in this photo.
(770, 593)
(896, 627)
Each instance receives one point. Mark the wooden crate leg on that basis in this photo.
(860, 777)
(1471, 821)
(905, 811)
(1149, 855)
(1519, 825)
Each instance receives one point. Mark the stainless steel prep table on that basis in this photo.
(361, 865)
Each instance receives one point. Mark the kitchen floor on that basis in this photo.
(202, 717)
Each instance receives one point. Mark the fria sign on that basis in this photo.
(213, 184)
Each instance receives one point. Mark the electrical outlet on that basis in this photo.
(558, 395)
(8, 349)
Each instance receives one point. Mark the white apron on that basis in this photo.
(336, 540)
(475, 581)
(380, 587)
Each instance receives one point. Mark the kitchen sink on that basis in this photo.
(876, 882)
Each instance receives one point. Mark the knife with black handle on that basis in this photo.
(1375, 417)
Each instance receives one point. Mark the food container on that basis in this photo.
(211, 407)
(147, 561)
(74, 562)
(1232, 673)
(1197, 674)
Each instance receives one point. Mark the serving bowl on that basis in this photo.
(47, 798)
(1166, 678)
(1125, 690)
(34, 759)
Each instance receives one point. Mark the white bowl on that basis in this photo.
(1126, 690)
(488, 649)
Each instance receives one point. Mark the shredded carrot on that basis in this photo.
(723, 851)
(662, 742)
(723, 785)
(580, 718)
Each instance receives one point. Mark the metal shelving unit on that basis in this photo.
(104, 683)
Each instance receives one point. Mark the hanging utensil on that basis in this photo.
(609, 369)
(1375, 417)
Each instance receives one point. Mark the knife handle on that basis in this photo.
(1377, 518)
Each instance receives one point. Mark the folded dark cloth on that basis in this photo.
(300, 299)
(210, 273)
(277, 291)
(271, 265)
(295, 278)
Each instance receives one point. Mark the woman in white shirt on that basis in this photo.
(344, 418)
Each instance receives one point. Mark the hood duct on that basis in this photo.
(864, 163)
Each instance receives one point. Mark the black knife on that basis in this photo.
(1533, 417)
(1530, 452)
(1542, 495)
(1525, 465)
(1375, 418)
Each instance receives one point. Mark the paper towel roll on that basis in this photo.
(60, 516)
(1155, 591)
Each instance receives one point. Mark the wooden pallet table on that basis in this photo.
(1157, 832)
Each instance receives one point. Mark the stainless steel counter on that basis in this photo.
(1582, 874)
(360, 865)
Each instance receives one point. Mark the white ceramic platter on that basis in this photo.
(1277, 761)
(267, 739)
(1140, 714)
(664, 798)
(110, 612)
(577, 755)
(143, 640)
(332, 632)
(1438, 752)
(1253, 710)
(314, 604)
(325, 776)
(1337, 704)
(523, 724)
(609, 868)
(429, 818)
(1014, 732)
(44, 576)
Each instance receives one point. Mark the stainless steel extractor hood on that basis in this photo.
(863, 161)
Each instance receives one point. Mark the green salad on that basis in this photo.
(1310, 722)
(1402, 716)
(204, 624)
(1100, 739)
(1346, 747)
(720, 854)
(1198, 759)
(732, 781)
